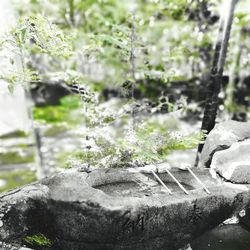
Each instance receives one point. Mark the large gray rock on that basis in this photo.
(233, 164)
(117, 209)
(222, 137)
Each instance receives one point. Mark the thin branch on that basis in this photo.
(132, 44)
(36, 136)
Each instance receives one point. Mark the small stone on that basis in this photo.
(147, 169)
(242, 213)
(231, 221)
(3, 183)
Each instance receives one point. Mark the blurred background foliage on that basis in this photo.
(173, 43)
(152, 56)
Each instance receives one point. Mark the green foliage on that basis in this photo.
(38, 240)
(70, 102)
(148, 143)
(102, 32)
(45, 37)
(150, 43)
(32, 35)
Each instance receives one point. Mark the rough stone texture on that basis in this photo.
(222, 137)
(117, 209)
(233, 163)
(48, 93)
(245, 217)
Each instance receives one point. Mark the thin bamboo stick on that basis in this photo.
(198, 180)
(162, 183)
(179, 184)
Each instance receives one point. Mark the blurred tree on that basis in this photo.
(214, 83)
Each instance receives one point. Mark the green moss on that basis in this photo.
(56, 129)
(233, 107)
(50, 114)
(60, 113)
(14, 157)
(108, 119)
(22, 146)
(62, 159)
(15, 134)
(71, 102)
(38, 240)
(16, 178)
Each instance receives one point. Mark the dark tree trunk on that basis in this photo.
(214, 83)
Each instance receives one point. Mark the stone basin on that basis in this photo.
(115, 209)
(127, 184)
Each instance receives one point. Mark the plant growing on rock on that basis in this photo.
(38, 240)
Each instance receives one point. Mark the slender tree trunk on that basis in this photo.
(234, 74)
(35, 132)
(214, 83)
(132, 62)
(132, 49)
(35, 135)
(72, 11)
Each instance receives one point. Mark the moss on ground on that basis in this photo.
(56, 129)
(65, 112)
(15, 134)
(16, 178)
(14, 157)
(63, 158)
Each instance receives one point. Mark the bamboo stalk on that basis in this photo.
(214, 83)
(198, 180)
(162, 183)
(178, 183)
